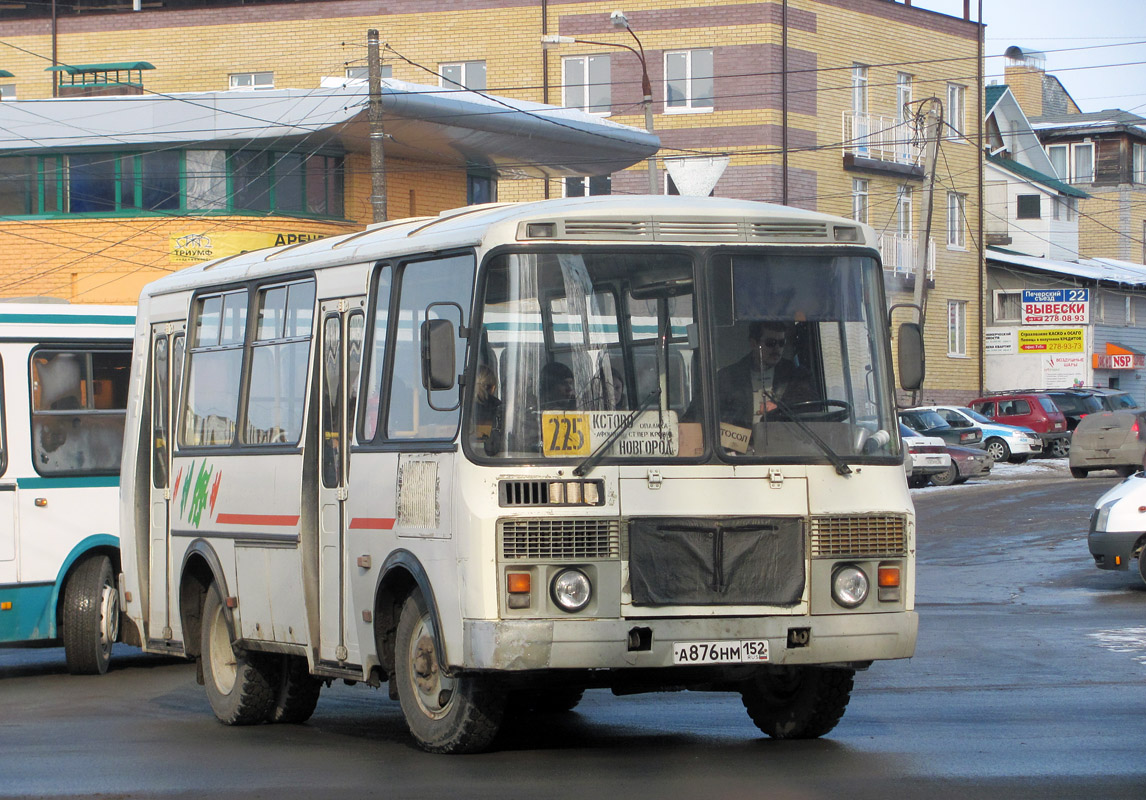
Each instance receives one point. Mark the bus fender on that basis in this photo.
(400, 573)
(101, 542)
(200, 568)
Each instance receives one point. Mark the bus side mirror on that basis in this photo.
(439, 370)
(911, 366)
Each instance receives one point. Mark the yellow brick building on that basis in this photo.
(819, 124)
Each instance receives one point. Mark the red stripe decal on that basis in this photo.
(278, 520)
(371, 524)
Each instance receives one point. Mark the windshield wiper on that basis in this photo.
(841, 466)
(593, 458)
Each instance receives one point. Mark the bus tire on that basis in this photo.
(90, 616)
(544, 701)
(240, 685)
(798, 702)
(297, 693)
(461, 714)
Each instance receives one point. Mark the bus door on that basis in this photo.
(167, 342)
(342, 327)
(8, 517)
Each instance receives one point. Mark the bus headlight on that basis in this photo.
(571, 590)
(849, 586)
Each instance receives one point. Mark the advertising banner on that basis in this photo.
(191, 248)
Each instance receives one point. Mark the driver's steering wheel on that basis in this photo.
(827, 410)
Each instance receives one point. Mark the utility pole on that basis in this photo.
(377, 154)
(930, 123)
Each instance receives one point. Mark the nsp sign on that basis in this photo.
(1056, 306)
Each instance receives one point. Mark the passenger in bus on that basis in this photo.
(757, 386)
(556, 387)
(608, 390)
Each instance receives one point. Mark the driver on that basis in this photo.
(748, 389)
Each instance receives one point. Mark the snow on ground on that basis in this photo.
(1005, 472)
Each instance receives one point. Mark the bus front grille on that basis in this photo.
(560, 539)
(859, 536)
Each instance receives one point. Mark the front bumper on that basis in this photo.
(518, 645)
(1113, 549)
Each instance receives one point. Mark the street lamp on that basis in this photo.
(620, 21)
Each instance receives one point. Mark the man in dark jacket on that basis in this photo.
(749, 388)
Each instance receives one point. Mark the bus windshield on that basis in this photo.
(598, 353)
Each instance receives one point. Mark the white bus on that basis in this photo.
(493, 458)
(63, 394)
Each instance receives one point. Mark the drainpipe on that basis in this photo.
(55, 62)
(784, 103)
(545, 68)
(982, 241)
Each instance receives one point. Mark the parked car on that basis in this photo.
(1074, 404)
(1118, 527)
(1112, 399)
(966, 463)
(1032, 410)
(1108, 440)
(928, 456)
(929, 423)
(1004, 442)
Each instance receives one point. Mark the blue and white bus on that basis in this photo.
(63, 394)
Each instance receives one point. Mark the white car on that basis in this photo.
(1118, 527)
(1004, 442)
(928, 456)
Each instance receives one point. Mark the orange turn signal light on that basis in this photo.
(517, 582)
(888, 577)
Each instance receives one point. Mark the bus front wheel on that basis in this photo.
(445, 714)
(90, 617)
(240, 685)
(798, 702)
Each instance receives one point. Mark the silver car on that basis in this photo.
(1108, 440)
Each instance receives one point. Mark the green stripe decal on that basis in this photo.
(79, 482)
(27, 619)
(69, 319)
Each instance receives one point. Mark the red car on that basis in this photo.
(1034, 410)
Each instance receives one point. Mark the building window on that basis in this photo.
(859, 88)
(903, 211)
(956, 327)
(597, 185)
(481, 187)
(588, 84)
(1137, 157)
(688, 80)
(1029, 206)
(903, 96)
(1008, 306)
(249, 81)
(956, 108)
(172, 181)
(1128, 311)
(466, 74)
(7, 91)
(956, 212)
(1059, 155)
(1083, 163)
(363, 73)
(859, 200)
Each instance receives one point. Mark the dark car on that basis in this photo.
(1113, 399)
(1034, 410)
(966, 463)
(929, 423)
(1074, 404)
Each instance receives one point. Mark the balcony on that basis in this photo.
(900, 255)
(880, 144)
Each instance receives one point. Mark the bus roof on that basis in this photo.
(608, 218)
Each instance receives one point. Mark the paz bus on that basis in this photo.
(63, 396)
(483, 458)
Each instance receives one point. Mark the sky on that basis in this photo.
(1109, 73)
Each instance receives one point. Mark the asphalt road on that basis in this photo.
(1028, 681)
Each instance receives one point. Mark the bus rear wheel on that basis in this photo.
(798, 702)
(297, 692)
(240, 685)
(90, 617)
(459, 714)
